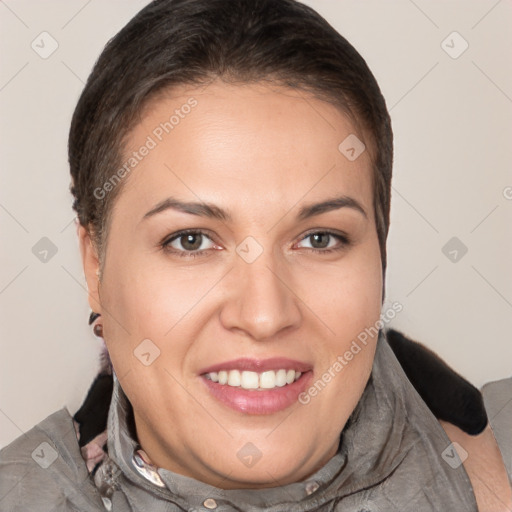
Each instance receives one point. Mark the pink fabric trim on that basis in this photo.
(92, 452)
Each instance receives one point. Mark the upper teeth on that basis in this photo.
(252, 380)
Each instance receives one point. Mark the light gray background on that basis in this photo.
(452, 119)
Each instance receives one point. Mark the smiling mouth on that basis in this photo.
(260, 393)
(257, 386)
(257, 381)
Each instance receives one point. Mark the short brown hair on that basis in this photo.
(193, 42)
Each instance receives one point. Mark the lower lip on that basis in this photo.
(259, 402)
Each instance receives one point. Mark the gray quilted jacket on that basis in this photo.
(393, 456)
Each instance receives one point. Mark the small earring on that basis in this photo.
(98, 328)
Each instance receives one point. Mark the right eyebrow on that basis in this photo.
(201, 209)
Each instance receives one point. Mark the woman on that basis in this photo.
(231, 167)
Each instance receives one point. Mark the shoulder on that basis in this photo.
(497, 397)
(487, 456)
(43, 466)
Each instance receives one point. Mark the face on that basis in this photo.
(264, 290)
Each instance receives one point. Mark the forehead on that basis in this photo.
(233, 143)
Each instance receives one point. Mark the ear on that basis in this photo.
(91, 264)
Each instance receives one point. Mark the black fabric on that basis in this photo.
(449, 396)
(92, 415)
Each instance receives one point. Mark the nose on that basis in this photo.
(261, 302)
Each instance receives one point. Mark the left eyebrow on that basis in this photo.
(335, 203)
(215, 212)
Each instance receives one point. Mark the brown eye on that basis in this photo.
(187, 243)
(320, 240)
(190, 242)
(325, 241)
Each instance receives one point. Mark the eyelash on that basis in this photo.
(165, 245)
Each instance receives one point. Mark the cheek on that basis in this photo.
(348, 296)
(352, 306)
(145, 298)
